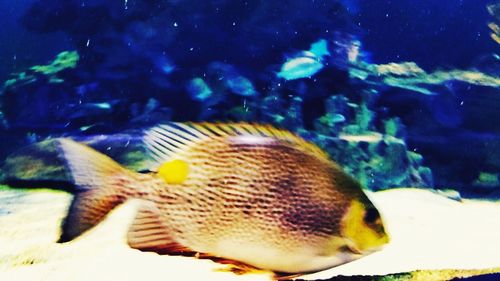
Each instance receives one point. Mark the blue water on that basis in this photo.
(138, 63)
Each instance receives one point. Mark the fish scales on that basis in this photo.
(269, 199)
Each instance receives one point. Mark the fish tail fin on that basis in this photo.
(100, 185)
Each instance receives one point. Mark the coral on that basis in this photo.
(494, 10)
(379, 162)
(394, 127)
(408, 69)
(409, 76)
(379, 159)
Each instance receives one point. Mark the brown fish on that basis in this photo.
(249, 193)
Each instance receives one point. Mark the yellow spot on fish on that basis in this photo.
(174, 172)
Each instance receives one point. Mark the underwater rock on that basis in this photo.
(468, 164)
(293, 117)
(409, 76)
(43, 162)
(273, 108)
(456, 105)
(336, 114)
(337, 104)
(394, 127)
(487, 181)
(363, 121)
(329, 124)
(378, 157)
(377, 161)
(40, 162)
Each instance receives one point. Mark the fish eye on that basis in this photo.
(371, 215)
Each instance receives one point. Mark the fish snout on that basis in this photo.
(363, 228)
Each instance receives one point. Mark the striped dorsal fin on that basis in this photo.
(167, 141)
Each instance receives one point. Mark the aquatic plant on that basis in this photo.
(63, 61)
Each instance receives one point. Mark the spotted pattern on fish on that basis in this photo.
(249, 187)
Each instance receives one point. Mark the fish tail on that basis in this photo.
(100, 185)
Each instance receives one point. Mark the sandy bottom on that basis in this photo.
(428, 231)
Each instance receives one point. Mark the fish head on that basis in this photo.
(341, 222)
(343, 211)
(331, 218)
(363, 228)
(362, 232)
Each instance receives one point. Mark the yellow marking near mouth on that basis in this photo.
(355, 229)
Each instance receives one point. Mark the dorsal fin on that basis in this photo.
(166, 142)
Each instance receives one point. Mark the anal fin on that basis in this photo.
(87, 209)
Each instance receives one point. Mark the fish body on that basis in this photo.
(300, 67)
(83, 110)
(240, 86)
(306, 63)
(199, 90)
(320, 48)
(249, 193)
(232, 80)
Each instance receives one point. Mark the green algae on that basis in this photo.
(4, 187)
(38, 162)
(487, 180)
(63, 61)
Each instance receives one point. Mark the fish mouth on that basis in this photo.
(350, 246)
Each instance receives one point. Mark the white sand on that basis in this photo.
(428, 232)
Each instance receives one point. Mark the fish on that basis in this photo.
(249, 193)
(83, 110)
(306, 63)
(320, 48)
(300, 67)
(199, 90)
(232, 80)
(240, 86)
